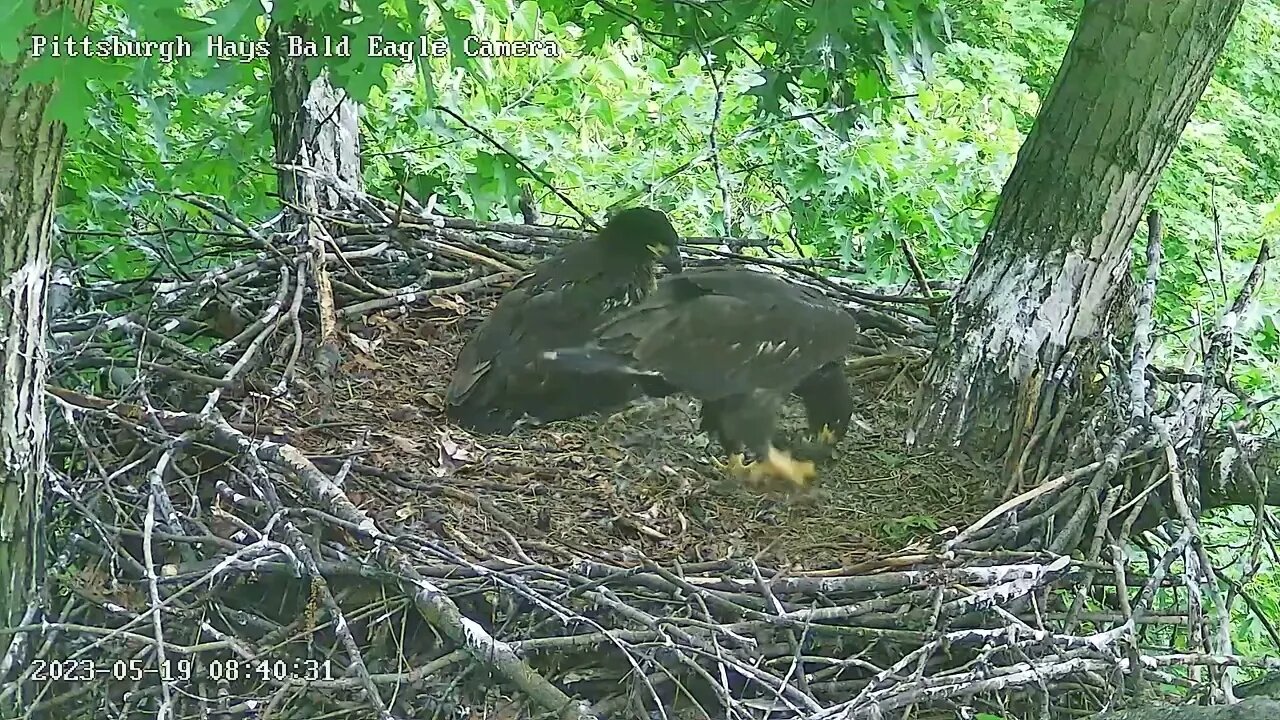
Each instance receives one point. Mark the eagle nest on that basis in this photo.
(260, 510)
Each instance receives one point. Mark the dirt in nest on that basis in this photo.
(622, 488)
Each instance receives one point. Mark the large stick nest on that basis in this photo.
(271, 508)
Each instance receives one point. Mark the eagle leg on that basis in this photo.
(820, 445)
(748, 420)
(827, 436)
(828, 403)
(712, 424)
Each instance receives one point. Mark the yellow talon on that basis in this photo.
(827, 436)
(734, 467)
(778, 464)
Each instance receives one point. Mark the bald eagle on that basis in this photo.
(500, 377)
(739, 341)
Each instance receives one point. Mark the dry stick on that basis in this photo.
(935, 615)
(722, 674)
(316, 237)
(716, 164)
(294, 316)
(1043, 421)
(1187, 496)
(914, 264)
(431, 239)
(159, 368)
(268, 318)
(345, 261)
(426, 222)
(128, 325)
(344, 189)
(785, 693)
(1195, 558)
(266, 489)
(1261, 487)
(1219, 351)
(491, 280)
(796, 643)
(1217, 239)
(1070, 535)
(482, 255)
(343, 632)
(1028, 496)
(199, 201)
(965, 683)
(1259, 614)
(435, 606)
(259, 547)
(1138, 407)
(1095, 551)
(1118, 562)
(149, 524)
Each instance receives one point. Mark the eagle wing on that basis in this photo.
(719, 333)
(557, 304)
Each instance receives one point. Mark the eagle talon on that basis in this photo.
(826, 436)
(778, 464)
(734, 467)
(819, 446)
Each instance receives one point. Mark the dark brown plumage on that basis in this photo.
(500, 377)
(740, 341)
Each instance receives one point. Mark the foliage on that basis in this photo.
(1218, 196)
(828, 52)
(1251, 583)
(624, 123)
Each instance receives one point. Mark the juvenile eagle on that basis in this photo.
(501, 377)
(741, 342)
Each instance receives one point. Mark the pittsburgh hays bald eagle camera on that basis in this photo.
(501, 377)
(740, 341)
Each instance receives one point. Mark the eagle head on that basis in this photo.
(647, 231)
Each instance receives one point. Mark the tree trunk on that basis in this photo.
(30, 160)
(1050, 278)
(314, 125)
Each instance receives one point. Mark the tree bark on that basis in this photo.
(1050, 277)
(30, 160)
(315, 126)
(313, 123)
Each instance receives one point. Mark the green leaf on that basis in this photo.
(15, 17)
(457, 30)
(235, 19)
(159, 124)
(770, 93)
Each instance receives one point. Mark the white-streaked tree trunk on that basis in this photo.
(1049, 281)
(314, 125)
(30, 160)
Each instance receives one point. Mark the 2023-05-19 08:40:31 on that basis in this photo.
(180, 670)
